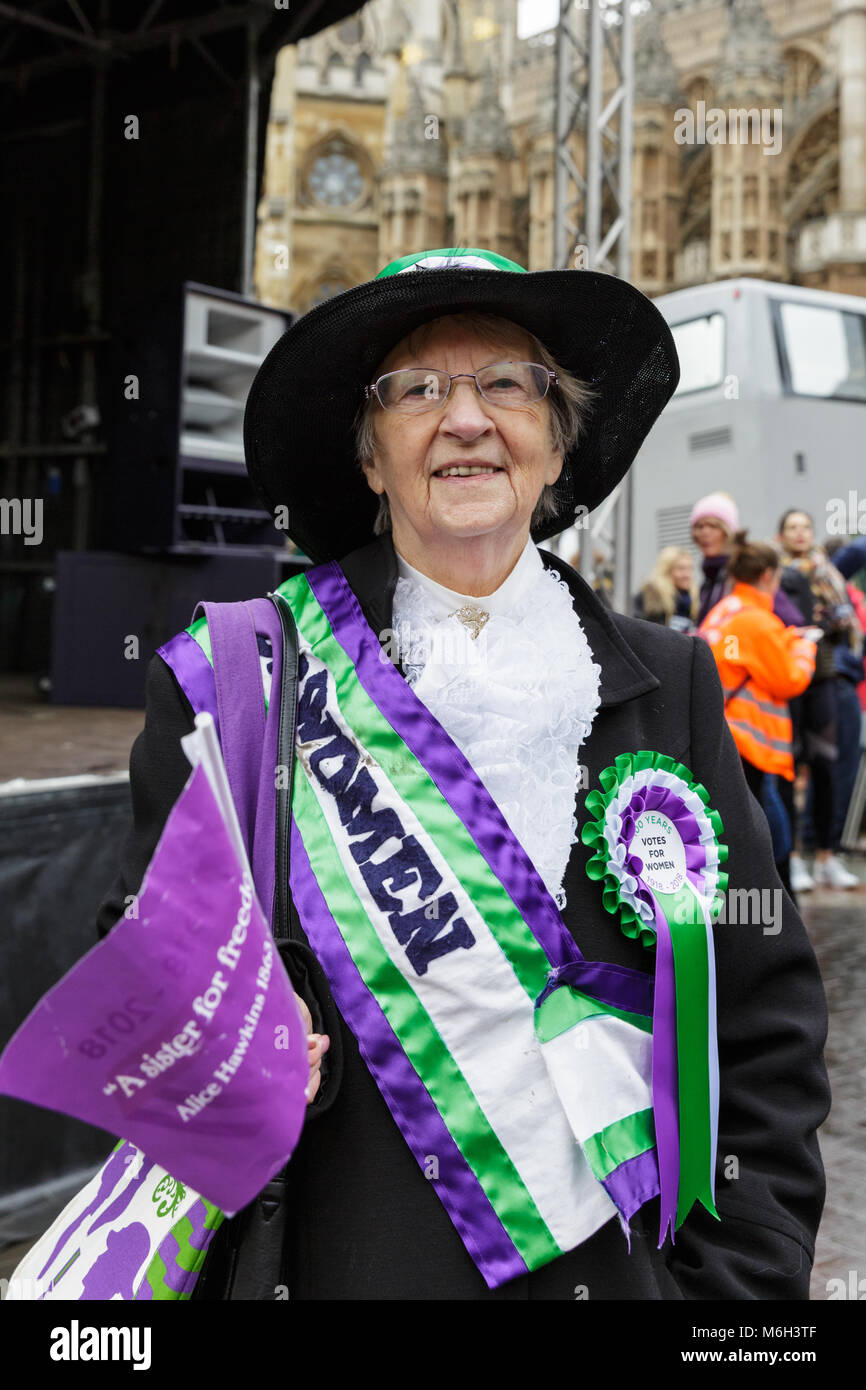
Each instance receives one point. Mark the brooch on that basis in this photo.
(471, 617)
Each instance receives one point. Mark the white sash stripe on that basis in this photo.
(617, 1055)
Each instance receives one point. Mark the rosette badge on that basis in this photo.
(658, 854)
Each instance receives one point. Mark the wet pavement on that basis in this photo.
(836, 922)
(39, 740)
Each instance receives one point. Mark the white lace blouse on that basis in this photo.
(518, 700)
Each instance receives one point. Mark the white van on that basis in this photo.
(771, 407)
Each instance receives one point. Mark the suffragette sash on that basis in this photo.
(448, 958)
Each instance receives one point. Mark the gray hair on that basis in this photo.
(570, 400)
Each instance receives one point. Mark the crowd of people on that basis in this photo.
(785, 621)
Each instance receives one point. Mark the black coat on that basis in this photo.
(367, 1222)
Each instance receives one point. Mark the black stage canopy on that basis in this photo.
(98, 224)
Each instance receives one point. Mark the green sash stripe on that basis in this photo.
(564, 1008)
(620, 1141)
(415, 787)
(421, 1041)
(199, 631)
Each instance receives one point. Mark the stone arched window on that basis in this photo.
(812, 184)
(335, 60)
(803, 72)
(698, 88)
(335, 175)
(695, 218)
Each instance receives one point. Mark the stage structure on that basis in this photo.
(131, 152)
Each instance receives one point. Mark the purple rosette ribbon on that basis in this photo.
(658, 855)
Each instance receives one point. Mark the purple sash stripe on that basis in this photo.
(456, 779)
(407, 1098)
(633, 1182)
(615, 985)
(193, 672)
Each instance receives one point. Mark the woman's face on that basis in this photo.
(797, 534)
(681, 572)
(710, 536)
(412, 450)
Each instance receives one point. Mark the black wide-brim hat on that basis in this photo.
(303, 405)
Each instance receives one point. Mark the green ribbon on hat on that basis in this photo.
(451, 258)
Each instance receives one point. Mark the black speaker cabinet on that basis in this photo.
(112, 611)
(175, 479)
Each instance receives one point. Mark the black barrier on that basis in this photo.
(59, 853)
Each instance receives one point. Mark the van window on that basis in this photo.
(700, 347)
(824, 351)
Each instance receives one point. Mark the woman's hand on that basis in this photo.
(317, 1046)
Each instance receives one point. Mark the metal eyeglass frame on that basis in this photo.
(373, 388)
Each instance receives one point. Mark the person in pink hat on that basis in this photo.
(714, 521)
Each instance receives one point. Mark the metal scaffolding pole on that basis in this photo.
(592, 210)
(251, 146)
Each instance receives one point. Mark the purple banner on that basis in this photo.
(180, 1030)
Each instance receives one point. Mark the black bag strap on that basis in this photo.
(248, 1263)
(308, 977)
(282, 926)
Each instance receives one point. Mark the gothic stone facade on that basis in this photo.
(430, 123)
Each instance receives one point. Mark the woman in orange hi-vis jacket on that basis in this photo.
(762, 664)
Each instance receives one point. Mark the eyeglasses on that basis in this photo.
(416, 389)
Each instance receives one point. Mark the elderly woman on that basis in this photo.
(492, 1118)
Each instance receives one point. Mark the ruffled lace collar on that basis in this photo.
(519, 700)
